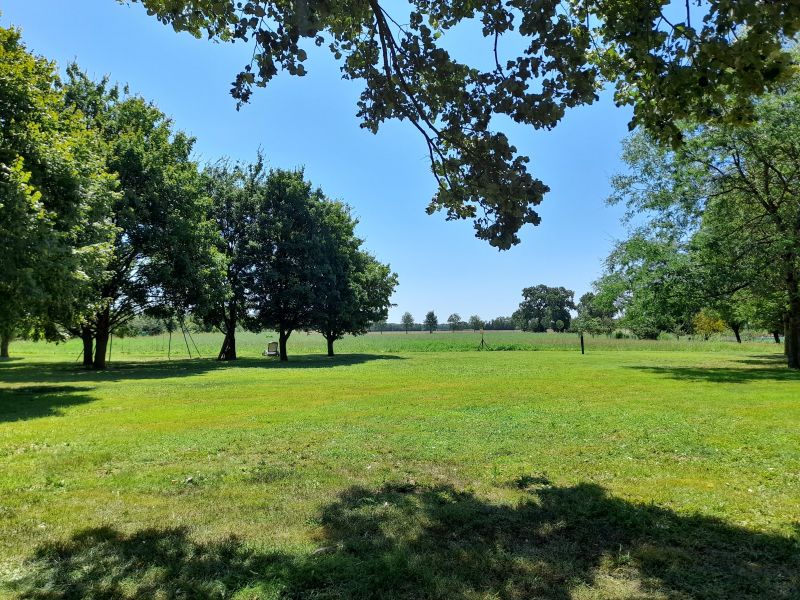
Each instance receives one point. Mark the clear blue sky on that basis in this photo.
(311, 122)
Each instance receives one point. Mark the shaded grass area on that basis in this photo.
(35, 401)
(31, 371)
(735, 374)
(41, 400)
(404, 541)
(639, 474)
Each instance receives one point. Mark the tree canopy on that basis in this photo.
(105, 218)
(431, 321)
(542, 307)
(594, 315)
(354, 288)
(55, 198)
(407, 320)
(475, 323)
(292, 259)
(160, 208)
(719, 223)
(702, 60)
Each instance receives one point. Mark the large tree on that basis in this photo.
(729, 197)
(163, 257)
(236, 192)
(353, 289)
(542, 306)
(594, 316)
(652, 282)
(668, 60)
(55, 197)
(431, 321)
(475, 323)
(454, 321)
(407, 320)
(286, 255)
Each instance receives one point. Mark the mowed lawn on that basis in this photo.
(630, 472)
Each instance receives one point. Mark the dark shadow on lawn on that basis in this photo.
(766, 360)
(758, 369)
(409, 542)
(31, 372)
(35, 401)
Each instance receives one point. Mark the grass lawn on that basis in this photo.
(402, 469)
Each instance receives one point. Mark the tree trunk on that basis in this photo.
(735, 329)
(101, 340)
(791, 341)
(776, 335)
(5, 340)
(330, 341)
(282, 337)
(88, 347)
(228, 350)
(792, 321)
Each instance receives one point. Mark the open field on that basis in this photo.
(400, 469)
(252, 344)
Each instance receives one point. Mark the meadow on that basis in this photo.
(408, 466)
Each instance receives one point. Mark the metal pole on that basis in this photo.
(183, 330)
(194, 344)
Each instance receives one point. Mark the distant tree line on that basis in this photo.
(105, 217)
(542, 309)
(454, 323)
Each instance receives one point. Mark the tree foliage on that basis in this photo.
(594, 316)
(722, 221)
(707, 323)
(163, 258)
(292, 259)
(454, 321)
(407, 320)
(354, 288)
(55, 198)
(475, 323)
(543, 306)
(235, 191)
(705, 60)
(431, 321)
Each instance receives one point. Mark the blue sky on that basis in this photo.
(311, 122)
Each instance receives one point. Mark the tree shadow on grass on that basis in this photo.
(35, 401)
(758, 369)
(409, 542)
(766, 360)
(33, 372)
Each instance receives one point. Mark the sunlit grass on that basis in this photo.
(394, 470)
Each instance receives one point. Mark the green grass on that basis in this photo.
(250, 344)
(399, 470)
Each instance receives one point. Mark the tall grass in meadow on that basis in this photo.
(253, 344)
